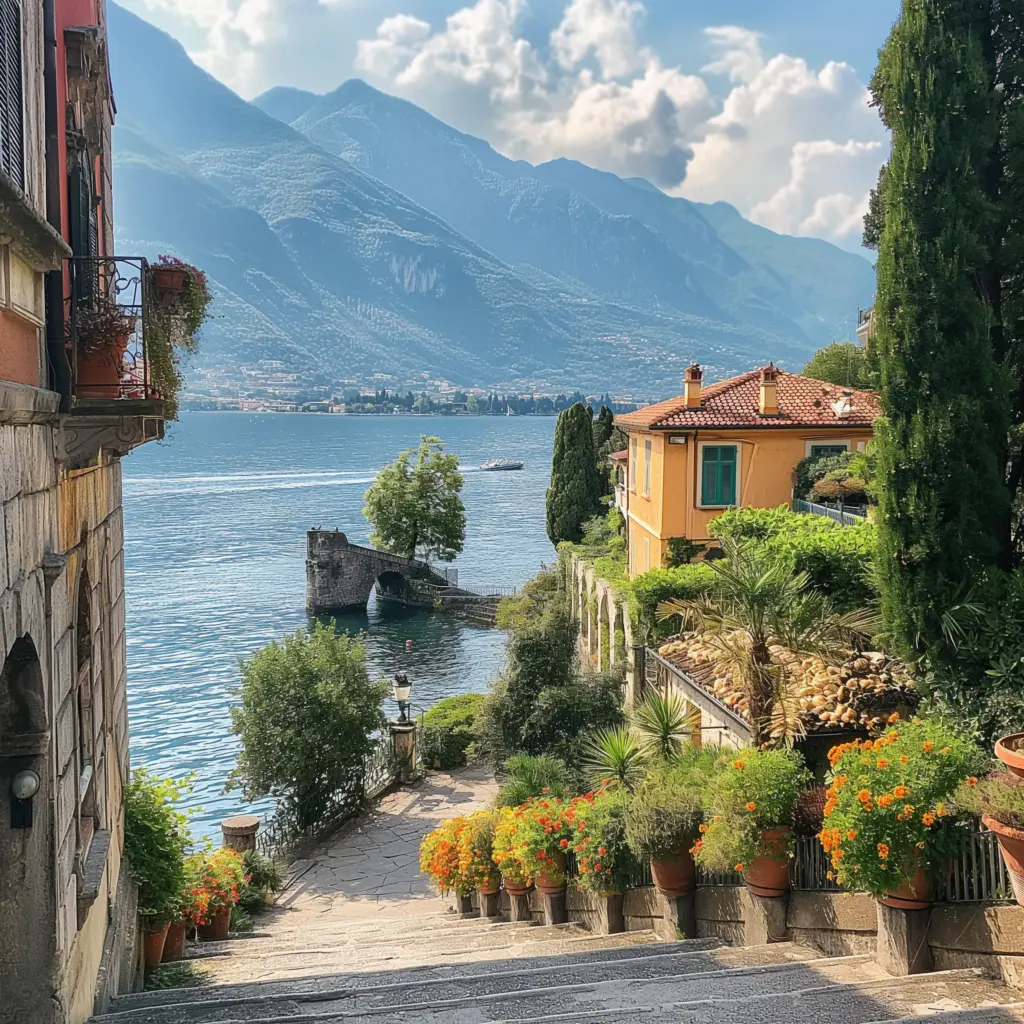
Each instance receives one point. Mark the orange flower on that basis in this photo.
(564, 843)
(883, 762)
(751, 806)
(900, 792)
(597, 867)
(893, 718)
(738, 765)
(883, 851)
(851, 835)
(601, 852)
(885, 799)
(864, 796)
(944, 751)
(928, 818)
(703, 828)
(904, 759)
(739, 867)
(927, 746)
(972, 780)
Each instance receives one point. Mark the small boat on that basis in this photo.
(494, 465)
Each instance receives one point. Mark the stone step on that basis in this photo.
(392, 991)
(694, 954)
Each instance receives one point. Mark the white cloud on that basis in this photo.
(605, 29)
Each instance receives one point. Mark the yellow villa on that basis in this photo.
(733, 443)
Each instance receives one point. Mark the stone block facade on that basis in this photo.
(64, 891)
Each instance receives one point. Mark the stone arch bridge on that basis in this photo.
(340, 576)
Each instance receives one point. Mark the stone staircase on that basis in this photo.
(438, 969)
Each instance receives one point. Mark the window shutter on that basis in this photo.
(709, 487)
(727, 486)
(84, 231)
(12, 116)
(718, 475)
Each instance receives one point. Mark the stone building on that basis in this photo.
(67, 904)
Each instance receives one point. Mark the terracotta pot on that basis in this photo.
(100, 371)
(219, 927)
(913, 894)
(1011, 846)
(174, 946)
(168, 282)
(490, 887)
(768, 875)
(153, 945)
(676, 875)
(1010, 750)
(552, 880)
(515, 888)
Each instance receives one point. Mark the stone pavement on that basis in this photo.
(370, 866)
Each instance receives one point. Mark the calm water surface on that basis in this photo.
(215, 547)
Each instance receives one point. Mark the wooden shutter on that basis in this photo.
(12, 99)
(84, 230)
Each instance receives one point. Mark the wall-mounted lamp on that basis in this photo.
(24, 787)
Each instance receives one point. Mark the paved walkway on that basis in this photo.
(371, 865)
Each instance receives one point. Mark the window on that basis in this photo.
(718, 474)
(632, 463)
(12, 117)
(820, 451)
(647, 469)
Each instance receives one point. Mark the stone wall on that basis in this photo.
(63, 715)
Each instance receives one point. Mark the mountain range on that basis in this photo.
(354, 232)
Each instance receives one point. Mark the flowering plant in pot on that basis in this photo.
(664, 821)
(222, 877)
(749, 814)
(530, 842)
(888, 825)
(439, 857)
(101, 332)
(476, 852)
(603, 855)
(998, 799)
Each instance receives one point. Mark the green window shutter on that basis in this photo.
(718, 475)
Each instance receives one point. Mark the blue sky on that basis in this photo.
(762, 104)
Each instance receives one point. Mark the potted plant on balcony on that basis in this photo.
(101, 332)
(749, 815)
(998, 799)
(888, 824)
(664, 822)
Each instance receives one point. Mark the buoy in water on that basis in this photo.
(408, 643)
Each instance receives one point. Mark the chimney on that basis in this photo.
(770, 391)
(691, 386)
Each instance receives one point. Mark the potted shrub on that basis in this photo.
(530, 842)
(516, 878)
(663, 825)
(101, 333)
(439, 857)
(222, 878)
(888, 817)
(476, 853)
(748, 826)
(264, 879)
(998, 799)
(603, 854)
(155, 840)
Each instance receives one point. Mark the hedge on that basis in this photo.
(448, 730)
(649, 589)
(838, 559)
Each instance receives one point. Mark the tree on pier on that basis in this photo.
(415, 504)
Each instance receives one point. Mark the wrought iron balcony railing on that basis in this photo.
(107, 306)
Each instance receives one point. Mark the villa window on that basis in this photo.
(632, 463)
(647, 469)
(12, 96)
(719, 472)
(821, 451)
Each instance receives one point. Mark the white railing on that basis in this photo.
(845, 515)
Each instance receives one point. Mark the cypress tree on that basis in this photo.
(944, 506)
(575, 492)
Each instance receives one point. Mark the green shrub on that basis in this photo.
(264, 877)
(812, 469)
(650, 589)
(838, 559)
(449, 729)
(598, 821)
(528, 776)
(999, 795)
(306, 722)
(667, 809)
(681, 551)
(156, 839)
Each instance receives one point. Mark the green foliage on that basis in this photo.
(264, 877)
(527, 775)
(649, 589)
(979, 682)
(681, 552)
(999, 795)
(449, 729)
(177, 974)
(844, 363)
(415, 504)
(944, 508)
(667, 809)
(606, 862)
(758, 601)
(575, 492)
(306, 720)
(614, 755)
(751, 790)
(838, 560)
(156, 839)
(662, 722)
(888, 807)
(812, 469)
(536, 596)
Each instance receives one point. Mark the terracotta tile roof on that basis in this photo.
(619, 456)
(735, 403)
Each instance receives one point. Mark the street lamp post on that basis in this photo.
(402, 691)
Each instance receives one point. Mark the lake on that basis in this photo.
(215, 548)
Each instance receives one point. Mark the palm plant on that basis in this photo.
(614, 755)
(530, 776)
(663, 722)
(757, 602)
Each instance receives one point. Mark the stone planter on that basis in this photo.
(913, 894)
(174, 946)
(768, 875)
(1010, 750)
(219, 927)
(675, 876)
(153, 945)
(1011, 847)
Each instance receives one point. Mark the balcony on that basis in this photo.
(110, 327)
(865, 324)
